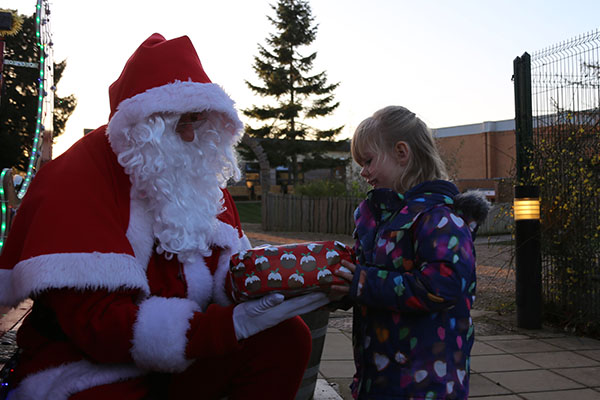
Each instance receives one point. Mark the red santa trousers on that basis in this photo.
(270, 365)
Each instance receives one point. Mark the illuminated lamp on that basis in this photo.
(528, 260)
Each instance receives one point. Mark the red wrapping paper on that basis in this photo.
(290, 269)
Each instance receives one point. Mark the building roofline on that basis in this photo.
(474, 129)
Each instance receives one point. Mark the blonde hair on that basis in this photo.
(379, 134)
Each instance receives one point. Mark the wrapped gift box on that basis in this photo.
(290, 269)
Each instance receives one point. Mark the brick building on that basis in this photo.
(480, 156)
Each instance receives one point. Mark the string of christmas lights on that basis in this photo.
(45, 111)
(45, 107)
(4, 211)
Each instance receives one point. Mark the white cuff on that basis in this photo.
(159, 334)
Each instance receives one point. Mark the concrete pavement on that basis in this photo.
(531, 365)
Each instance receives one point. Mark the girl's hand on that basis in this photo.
(340, 290)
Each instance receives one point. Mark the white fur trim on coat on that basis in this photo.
(159, 333)
(245, 243)
(71, 270)
(61, 382)
(228, 239)
(226, 236)
(199, 282)
(219, 295)
(202, 286)
(139, 232)
(177, 97)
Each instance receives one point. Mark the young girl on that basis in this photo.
(414, 281)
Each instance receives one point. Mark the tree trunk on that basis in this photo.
(265, 171)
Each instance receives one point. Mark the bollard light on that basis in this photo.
(528, 279)
(527, 203)
(527, 208)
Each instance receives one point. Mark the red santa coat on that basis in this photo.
(83, 249)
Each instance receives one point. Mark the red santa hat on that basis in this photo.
(165, 76)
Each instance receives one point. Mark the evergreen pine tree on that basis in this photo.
(19, 99)
(286, 77)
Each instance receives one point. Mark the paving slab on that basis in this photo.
(501, 397)
(481, 348)
(337, 347)
(531, 381)
(479, 385)
(500, 337)
(337, 369)
(558, 359)
(523, 346)
(324, 391)
(575, 343)
(579, 394)
(499, 362)
(544, 334)
(595, 354)
(342, 386)
(588, 376)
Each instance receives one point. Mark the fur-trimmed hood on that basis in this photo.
(473, 207)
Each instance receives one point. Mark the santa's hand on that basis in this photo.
(255, 316)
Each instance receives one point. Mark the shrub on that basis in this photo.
(322, 188)
(566, 166)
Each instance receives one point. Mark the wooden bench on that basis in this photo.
(10, 318)
(10, 321)
(239, 191)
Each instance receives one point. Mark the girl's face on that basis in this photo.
(380, 170)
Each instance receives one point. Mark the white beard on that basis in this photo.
(180, 181)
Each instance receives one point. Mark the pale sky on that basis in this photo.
(449, 61)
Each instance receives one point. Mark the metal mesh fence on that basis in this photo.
(565, 163)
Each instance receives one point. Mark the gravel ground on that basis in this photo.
(493, 311)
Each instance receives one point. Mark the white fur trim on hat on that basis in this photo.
(177, 97)
(71, 270)
(159, 334)
(62, 382)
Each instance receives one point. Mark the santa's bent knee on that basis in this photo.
(294, 340)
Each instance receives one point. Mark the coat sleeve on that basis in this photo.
(160, 334)
(443, 272)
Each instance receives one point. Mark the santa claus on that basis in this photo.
(127, 266)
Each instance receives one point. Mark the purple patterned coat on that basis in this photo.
(413, 290)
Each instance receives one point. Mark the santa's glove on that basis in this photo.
(255, 316)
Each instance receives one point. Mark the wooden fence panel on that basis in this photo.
(309, 214)
(336, 215)
(323, 220)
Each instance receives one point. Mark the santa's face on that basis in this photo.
(188, 123)
(177, 166)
